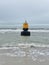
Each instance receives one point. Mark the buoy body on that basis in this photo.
(25, 31)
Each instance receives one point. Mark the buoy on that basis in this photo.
(25, 31)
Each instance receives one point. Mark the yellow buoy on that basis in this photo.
(25, 26)
(25, 31)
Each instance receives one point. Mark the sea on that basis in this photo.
(35, 46)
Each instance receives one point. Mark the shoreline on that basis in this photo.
(24, 57)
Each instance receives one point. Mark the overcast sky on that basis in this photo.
(17, 11)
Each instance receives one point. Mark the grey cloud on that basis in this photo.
(35, 11)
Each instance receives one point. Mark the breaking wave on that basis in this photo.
(23, 45)
(19, 30)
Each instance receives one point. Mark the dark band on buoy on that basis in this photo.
(25, 29)
(25, 33)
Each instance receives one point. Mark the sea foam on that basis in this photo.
(19, 30)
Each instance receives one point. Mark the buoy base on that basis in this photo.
(25, 33)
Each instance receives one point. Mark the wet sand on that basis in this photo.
(6, 60)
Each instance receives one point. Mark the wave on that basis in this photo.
(9, 30)
(19, 30)
(26, 45)
(33, 45)
(32, 51)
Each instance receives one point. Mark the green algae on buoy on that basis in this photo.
(25, 31)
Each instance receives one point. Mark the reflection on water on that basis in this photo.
(25, 39)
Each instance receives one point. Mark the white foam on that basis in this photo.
(17, 51)
(39, 30)
(9, 30)
(22, 45)
(7, 48)
(19, 30)
(33, 45)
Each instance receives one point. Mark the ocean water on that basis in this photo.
(34, 46)
(9, 37)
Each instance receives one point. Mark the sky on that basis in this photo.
(14, 12)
